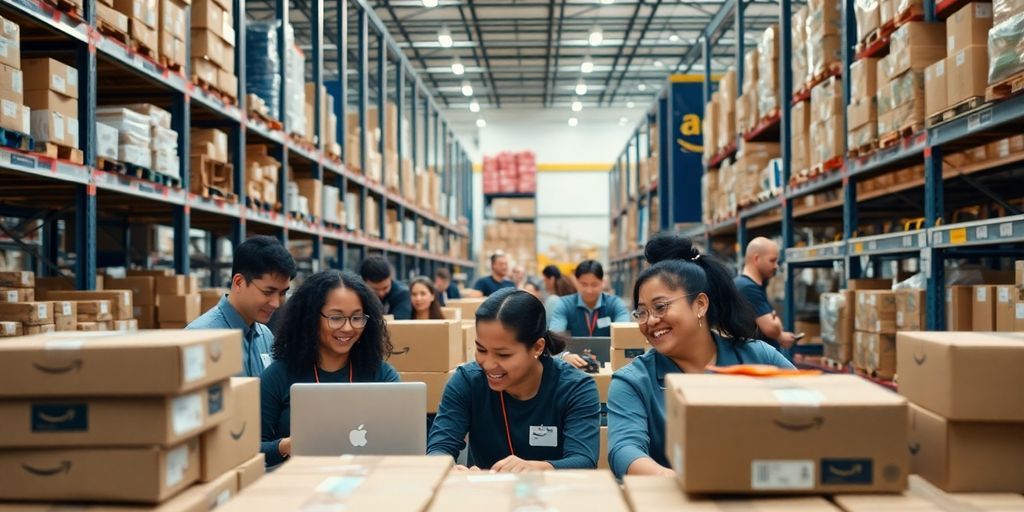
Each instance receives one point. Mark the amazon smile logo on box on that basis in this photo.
(846, 471)
(60, 418)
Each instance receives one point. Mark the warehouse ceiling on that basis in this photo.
(537, 53)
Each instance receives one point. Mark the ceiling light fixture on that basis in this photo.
(457, 67)
(481, 123)
(577, 106)
(587, 66)
(674, 38)
(467, 88)
(596, 36)
(641, 87)
(444, 37)
(659, 64)
(474, 106)
(623, 121)
(581, 88)
(573, 122)
(630, 104)
(607, 2)
(429, 3)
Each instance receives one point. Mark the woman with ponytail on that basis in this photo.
(692, 315)
(522, 409)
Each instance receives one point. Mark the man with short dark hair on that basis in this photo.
(446, 288)
(379, 275)
(261, 275)
(496, 281)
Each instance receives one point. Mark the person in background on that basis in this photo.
(522, 409)
(444, 284)
(496, 281)
(426, 304)
(556, 285)
(760, 263)
(532, 288)
(379, 275)
(692, 315)
(519, 276)
(332, 330)
(588, 312)
(261, 275)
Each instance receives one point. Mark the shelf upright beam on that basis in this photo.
(364, 84)
(236, 133)
(706, 57)
(785, 128)
(665, 180)
(180, 122)
(740, 31)
(317, 42)
(281, 8)
(382, 104)
(851, 265)
(932, 258)
(85, 195)
(341, 112)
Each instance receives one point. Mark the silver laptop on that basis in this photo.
(359, 419)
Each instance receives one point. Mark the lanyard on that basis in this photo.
(316, 374)
(591, 322)
(508, 432)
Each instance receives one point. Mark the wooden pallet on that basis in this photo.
(138, 172)
(831, 69)
(106, 164)
(913, 12)
(143, 50)
(112, 32)
(214, 90)
(864, 149)
(825, 167)
(16, 140)
(219, 193)
(1005, 88)
(955, 111)
(67, 7)
(61, 152)
(262, 205)
(892, 138)
(176, 67)
(271, 123)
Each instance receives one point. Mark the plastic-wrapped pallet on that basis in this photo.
(295, 85)
(133, 131)
(106, 141)
(767, 72)
(263, 63)
(799, 58)
(1006, 48)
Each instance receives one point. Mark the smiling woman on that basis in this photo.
(522, 409)
(332, 330)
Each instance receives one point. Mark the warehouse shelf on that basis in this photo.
(908, 151)
(1003, 230)
(46, 14)
(986, 124)
(815, 253)
(766, 130)
(728, 152)
(817, 184)
(890, 243)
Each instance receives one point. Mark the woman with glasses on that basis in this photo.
(332, 330)
(692, 315)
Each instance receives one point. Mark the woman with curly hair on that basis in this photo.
(331, 330)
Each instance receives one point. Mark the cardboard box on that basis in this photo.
(155, 362)
(217, 138)
(172, 18)
(426, 345)
(936, 97)
(65, 315)
(251, 471)
(966, 456)
(959, 300)
(12, 84)
(861, 112)
(125, 325)
(963, 376)
(910, 310)
(113, 17)
(662, 494)
(864, 78)
(27, 313)
(838, 345)
(876, 311)
(514, 208)
(301, 481)
(143, 289)
(206, 44)
(227, 82)
(312, 190)
(50, 74)
(209, 16)
(177, 308)
(10, 43)
(145, 11)
(968, 73)
(171, 285)
(105, 422)
(10, 329)
(627, 335)
(968, 27)
(435, 381)
(145, 316)
(88, 326)
(17, 294)
(1005, 296)
(141, 475)
(143, 34)
(622, 357)
(237, 439)
(560, 490)
(38, 329)
(93, 310)
(211, 297)
(469, 339)
(875, 354)
(120, 300)
(923, 496)
(798, 435)
(172, 48)
(983, 308)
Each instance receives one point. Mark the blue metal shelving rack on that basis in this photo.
(932, 244)
(57, 34)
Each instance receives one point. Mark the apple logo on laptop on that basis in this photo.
(357, 437)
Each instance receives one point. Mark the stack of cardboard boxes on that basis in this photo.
(328, 120)
(143, 287)
(823, 27)
(509, 172)
(627, 343)
(428, 190)
(900, 76)
(874, 343)
(726, 120)
(862, 112)
(14, 115)
(177, 301)
(163, 140)
(1004, 40)
(143, 28)
(518, 240)
(213, 46)
(768, 73)
(305, 196)
(334, 209)
(427, 351)
(964, 68)
(798, 60)
(746, 104)
(825, 134)
(209, 162)
(967, 412)
(100, 310)
(20, 313)
(838, 314)
(51, 92)
(801, 137)
(995, 306)
(143, 442)
(709, 130)
(134, 135)
(172, 35)
(261, 175)
(752, 160)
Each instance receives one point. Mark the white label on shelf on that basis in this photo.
(1020, 311)
(1005, 230)
(12, 296)
(981, 232)
(58, 83)
(17, 81)
(66, 308)
(104, 308)
(177, 464)
(194, 359)
(981, 294)
(10, 108)
(908, 241)
(1004, 295)
(781, 474)
(872, 245)
(186, 413)
(982, 10)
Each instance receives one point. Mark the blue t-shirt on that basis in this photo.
(758, 300)
(257, 339)
(571, 314)
(560, 425)
(487, 285)
(398, 301)
(636, 400)
(276, 393)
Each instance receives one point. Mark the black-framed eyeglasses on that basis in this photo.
(338, 321)
(658, 309)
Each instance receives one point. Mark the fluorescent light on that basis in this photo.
(674, 38)
(641, 87)
(577, 106)
(596, 36)
(467, 88)
(429, 3)
(481, 123)
(630, 104)
(659, 64)
(573, 122)
(474, 106)
(607, 2)
(444, 37)
(457, 67)
(587, 66)
(581, 88)
(623, 121)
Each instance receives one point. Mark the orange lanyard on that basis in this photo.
(592, 322)
(504, 414)
(316, 374)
